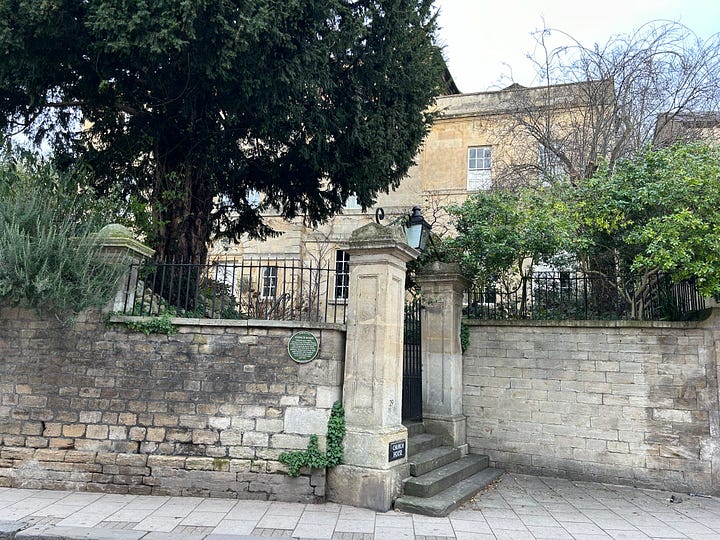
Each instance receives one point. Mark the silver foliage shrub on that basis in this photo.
(49, 257)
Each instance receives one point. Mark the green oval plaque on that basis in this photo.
(303, 347)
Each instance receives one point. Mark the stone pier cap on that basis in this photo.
(375, 237)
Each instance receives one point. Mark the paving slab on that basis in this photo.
(514, 508)
(76, 533)
(9, 528)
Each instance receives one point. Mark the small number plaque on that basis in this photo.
(303, 347)
(396, 450)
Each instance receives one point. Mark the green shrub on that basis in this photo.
(49, 258)
(154, 325)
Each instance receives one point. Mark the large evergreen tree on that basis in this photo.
(179, 104)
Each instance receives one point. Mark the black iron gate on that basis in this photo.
(412, 363)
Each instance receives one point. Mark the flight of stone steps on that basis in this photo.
(441, 479)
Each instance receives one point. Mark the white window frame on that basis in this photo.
(479, 168)
(268, 281)
(550, 165)
(342, 275)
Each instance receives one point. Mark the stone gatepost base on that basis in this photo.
(370, 448)
(363, 487)
(452, 429)
(372, 481)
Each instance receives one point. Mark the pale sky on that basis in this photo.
(480, 36)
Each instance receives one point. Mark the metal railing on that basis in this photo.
(579, 296)
(271, 289)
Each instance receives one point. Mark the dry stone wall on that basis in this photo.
(626, 402)
(204, 412)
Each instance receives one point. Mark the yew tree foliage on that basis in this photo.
(177, 103)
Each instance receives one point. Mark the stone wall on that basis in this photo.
(204, 412)
(619, 402)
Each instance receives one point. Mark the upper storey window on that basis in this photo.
(479, 168)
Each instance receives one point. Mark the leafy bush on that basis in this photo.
(49, 258)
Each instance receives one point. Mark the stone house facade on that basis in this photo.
(478, 141)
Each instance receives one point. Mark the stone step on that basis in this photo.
(422, 442)
(414, 428)
(444, 477)
(446, 501)
(428, 460)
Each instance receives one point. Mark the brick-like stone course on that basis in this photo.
(100, 408)
(626, 402)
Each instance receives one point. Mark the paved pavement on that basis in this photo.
(517, 507)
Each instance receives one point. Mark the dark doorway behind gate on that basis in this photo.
(412, 363)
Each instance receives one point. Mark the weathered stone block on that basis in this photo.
(155, 434)
(192, 421)
(58, 442)
(36, 442)
(306, 421)
(22, 454)
(165, 420)
(137, 433)
(199, 463)
(90, 417)
(255, 439)
(117, 433)
(31, 428)
(219, 422)
(127, 418)
(241, 452)
(274, 425)
(231, 437)
(133, 460)
(204, 436)
(286, 441)
(97, 432)
(89, 445)
(73, 430)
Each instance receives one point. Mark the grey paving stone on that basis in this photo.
(352, 536)
(355, 526)
(549, 533)
(474, 536)
(9, 528)
(215, 536)
(470, 526)
(234, 527)
(263, 532)
(77, 533)
(174, 536)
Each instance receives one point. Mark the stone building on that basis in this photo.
(478, 141)
(689, 126)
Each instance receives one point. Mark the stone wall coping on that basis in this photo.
(237, 323)
(713, 313)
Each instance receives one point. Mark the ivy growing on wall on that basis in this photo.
(314, 458)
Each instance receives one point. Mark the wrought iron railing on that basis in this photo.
(271, 289)
(580, 296)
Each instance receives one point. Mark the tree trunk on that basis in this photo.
(181, 204)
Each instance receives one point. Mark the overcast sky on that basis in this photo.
(480, 36)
